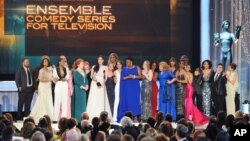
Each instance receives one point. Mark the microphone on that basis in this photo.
(104, 74)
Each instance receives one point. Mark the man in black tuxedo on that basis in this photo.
(219, 89)
(24, 81)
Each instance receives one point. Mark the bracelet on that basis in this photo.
(134, 76)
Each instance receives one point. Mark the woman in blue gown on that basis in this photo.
(129, 90)
(166, 91)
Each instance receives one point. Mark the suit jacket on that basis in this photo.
(21, 78)
(220, 85)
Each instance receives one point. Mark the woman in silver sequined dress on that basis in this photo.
(207, 79)
(146, 89)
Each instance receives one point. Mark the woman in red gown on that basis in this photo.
(154, 92)
(191, 111)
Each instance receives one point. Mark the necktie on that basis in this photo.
(217, 76)
(29, 76)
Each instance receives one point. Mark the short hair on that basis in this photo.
(169, 118)
(233, 66)
(84, 115)
(219, 64)
(127, 137)
(104, 116)
(71, 123)
(161, 137)
(25, 58)
(209, 64)
(114, 137)
(126, 121)
(181, 130)
(129, 114)
(38, 136)
(151, 121)
(130, 59)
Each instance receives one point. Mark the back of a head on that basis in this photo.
(43, 123)
(71, 123)
(166, 128)
(129, 114)
(84, 137)
(85, 116)
(222, 136)
(151, 121)
(114, 137)
(181, 130)
(126, 121)
(147, 138)
(27, 130)
(169, 118)
(38, 136)
(161, 137)
(62, 124)
(100, 136)
(8, 133)
(9, 117)
(127, 137)
(104, 116)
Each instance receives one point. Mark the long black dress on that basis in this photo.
(110, 85)
(180, 94)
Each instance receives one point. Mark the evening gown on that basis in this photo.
(180, 94)
(117, 95)
(79, 96)
(146, 89)
(166, 94)
(191, 111)
(44, 104)
(154, 94)
(98, 99)
(206, 94)
(129, 93)
(110, 85)
(231, 90)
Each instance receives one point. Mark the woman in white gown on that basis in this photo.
(98, 100)
(44, 103)
(117, 89)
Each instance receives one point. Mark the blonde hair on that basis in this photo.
(164, 65)
(147, 63)
(115, 55)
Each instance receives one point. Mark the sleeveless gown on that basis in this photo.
(98, 99)
(191, 111)
(180, 93)
(146, 89)
(129, 93)
(206, 95)
(110, 85)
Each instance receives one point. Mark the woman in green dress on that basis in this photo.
(80, 87)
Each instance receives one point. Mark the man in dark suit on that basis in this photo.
(219, 89)
(24, 81)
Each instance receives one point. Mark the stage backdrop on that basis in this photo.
(237, 12)
(145, 29)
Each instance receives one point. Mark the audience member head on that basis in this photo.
(151, 132)
(161, 137)
(166, 128)
(9, 117)
(159, 117)
(100, 136)
(199, 133)
(246, 118)
(71, 123)
(239, 114)
(229, 120)
(43, 123)
(104, 116)
(222, 136)
(2, 126)
(48, 136)
(183, 121)
(29, 119)
(151, 121)
(8, 134)
(49, 122)
(191, 127)
(213, 120)
(212, 130)
(141, 136)
(38, 136)
(73, 134)
(126, 122)
(181, 131)
(169, 118)
(221, 117)
(85, 116)
(114, 137)
(147, 138)
(27, 130)
(127, 137)
(129, 114)
(62, 124)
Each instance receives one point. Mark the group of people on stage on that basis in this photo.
(169, 87)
